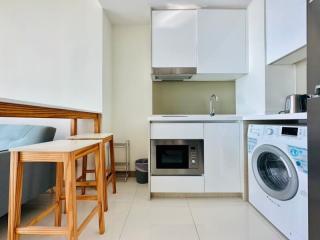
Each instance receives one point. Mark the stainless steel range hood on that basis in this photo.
(173, 74)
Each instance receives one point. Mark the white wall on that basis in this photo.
(301, 77)
(107, 75)
(51, 52)
(132, 89)
(280, 82)
(250, 89)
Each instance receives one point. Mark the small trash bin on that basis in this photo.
(142, 170)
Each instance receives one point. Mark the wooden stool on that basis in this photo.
(64, 153)
(110, 176)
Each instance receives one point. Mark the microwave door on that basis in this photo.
(172, 157)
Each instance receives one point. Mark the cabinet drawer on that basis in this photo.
(177, 184)
(177, 131)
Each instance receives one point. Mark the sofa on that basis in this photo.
(39, 177)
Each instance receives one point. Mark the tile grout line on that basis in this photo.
(126, 220)
(194, 222)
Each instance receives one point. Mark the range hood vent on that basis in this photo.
(173, 74)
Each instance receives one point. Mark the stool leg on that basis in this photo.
(71, 197)
(100, 175)
(113, 171)
(104, 181)
(84, 173)
(15, 193)
(59, 186)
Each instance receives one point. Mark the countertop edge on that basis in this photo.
(230, 118)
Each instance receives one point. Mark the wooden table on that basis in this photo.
(110, 176)
(64, 153)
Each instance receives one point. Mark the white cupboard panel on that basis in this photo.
(222, 157)
(177, 184)
(176, 130)
(222, 41)
(174, 38)
(286, 27)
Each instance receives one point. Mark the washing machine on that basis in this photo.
(278, 176)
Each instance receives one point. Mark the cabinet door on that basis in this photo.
(222, 41)
(286, 24)
(174, 38)
(222, 157)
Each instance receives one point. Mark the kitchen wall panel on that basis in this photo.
(192, 97)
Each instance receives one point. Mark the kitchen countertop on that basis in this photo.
(291, 116)
(225, 117)
(194, 118)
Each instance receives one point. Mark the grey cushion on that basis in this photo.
(20, 135)
(37, 177)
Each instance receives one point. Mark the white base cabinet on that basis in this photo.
(222, 157)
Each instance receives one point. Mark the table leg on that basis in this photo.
(59, 187)
(71, 197)
(113, 171)
(100, 176)
(104, 181)
(84, 172)
(15, 194)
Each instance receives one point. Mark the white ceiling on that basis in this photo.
(138, 11)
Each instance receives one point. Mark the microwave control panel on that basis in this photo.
(194, 158)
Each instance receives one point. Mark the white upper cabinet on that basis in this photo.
(174, 38)
(222, 41)
(286, 26)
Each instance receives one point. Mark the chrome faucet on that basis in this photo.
(213, 99)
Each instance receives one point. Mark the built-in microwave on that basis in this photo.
(176, 157)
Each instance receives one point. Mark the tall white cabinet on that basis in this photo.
(174, 38)
(286, 28)
(221, 157)
(222, 41)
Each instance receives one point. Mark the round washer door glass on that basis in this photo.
(275, 172)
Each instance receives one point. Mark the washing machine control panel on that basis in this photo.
(269, 131)
(255, 130)
(275, 131)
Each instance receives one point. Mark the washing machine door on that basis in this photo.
(274, 172)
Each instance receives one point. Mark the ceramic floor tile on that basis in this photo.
(160, 202)
(228, 223)
(171, 215)
(136, 232)
(174, 232)
(132, 216)
(214, 202)
(220, 215)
